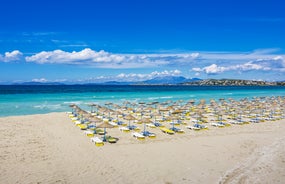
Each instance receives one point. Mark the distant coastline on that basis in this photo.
(179, 81)
(233, 82)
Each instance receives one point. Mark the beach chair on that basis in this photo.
(225, 124)
(218, 125)
(167, 131)
(111, 139)
(193, 128)
(82, 126)
(138, 136)
(177, 130)
(236, 122)
(148, 134)
(133, 127)
(151, 125)
(158, 124)
(77, 122)
(122, 123)
(97, 141)
(124, 129)
(202, 127)
(115, 125)
(89, 133)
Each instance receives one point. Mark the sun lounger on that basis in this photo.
(218, 125)
(151, 125)
(254, 120)
(202, 127)
(122, 123)
(111, 139)
(89, 133)
(167, 131)
(76, 122)
(158, 124)
(177, 130)
(115, 120)
(91, 127)
(225, 124)
(193, 128)
(97, 141)
(114, 124)
(82, 126)
(138, 136)
(133, 127)
(194, 121)
(124, 129)
(236, 122)
(175, 123)
(148, 134)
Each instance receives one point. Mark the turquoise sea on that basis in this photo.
(24, 100)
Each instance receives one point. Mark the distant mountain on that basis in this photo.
(39, 83)
(112, 83)
(169, 80)
(166, 80)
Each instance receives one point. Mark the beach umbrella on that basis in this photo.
(192, 102)
(74, 107)
(155, 114)
(176, 113)
(92, 105)
(149, 109)
(105, 125)
(118, 113)
(163, 110)
(155, 104)
(145, 120)
(129, 118)
(109, 113)
(95, 120)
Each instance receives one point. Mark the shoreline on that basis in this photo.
(48, 148)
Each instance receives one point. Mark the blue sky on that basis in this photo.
(93, 41)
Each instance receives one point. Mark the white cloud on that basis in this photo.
(40, 80)
(62, 57)
(11, 56)
(134, 77)
(194, 55)
(212, 63)
(259, 60)
(103, 59)
(249, 66)
(214, 69)
(208, 62)
(141, 77)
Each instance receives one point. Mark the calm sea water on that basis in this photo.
(23, 100)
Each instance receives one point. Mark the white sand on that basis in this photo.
(50, 149)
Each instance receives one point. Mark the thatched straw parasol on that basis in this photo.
(129, 118)
(105, 125)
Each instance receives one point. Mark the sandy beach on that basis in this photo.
(48, 148)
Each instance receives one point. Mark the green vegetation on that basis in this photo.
(233, 82)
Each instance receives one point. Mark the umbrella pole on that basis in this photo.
(104, 135)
